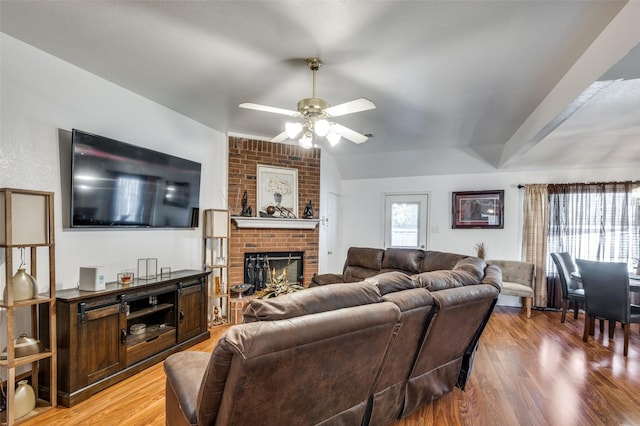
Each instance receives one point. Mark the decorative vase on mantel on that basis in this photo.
(24, 286)
(277, 197)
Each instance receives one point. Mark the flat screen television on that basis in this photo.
(115, 184)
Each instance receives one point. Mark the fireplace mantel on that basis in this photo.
(272, 222)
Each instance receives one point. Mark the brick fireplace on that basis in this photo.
(244, 157)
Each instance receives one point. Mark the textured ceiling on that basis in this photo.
(460, 87)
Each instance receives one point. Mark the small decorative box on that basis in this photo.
(147, 268)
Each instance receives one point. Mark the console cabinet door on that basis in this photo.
(192, 314)
(102, 347)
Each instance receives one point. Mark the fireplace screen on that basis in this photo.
(259, 267)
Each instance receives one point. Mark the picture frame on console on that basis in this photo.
(478, 209)
(277, 187)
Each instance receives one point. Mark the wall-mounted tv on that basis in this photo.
(115, 184)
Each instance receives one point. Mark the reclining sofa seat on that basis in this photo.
(443, 314)
(326, 342)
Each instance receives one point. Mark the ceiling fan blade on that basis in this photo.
(357, 105)
(265, 108)
(281, 137)
(347, 133)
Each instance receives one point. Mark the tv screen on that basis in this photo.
(115, 184)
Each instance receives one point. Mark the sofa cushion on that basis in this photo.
(438, 280)
(452, 330)
(511, 288)
(365, 257)
(310, 301)
(361, 263)
(416, 309)
(436, 260)
(492, 276)
(398, 259)
(472, 265)
(390, 282)
(324, 279)
(313, 369)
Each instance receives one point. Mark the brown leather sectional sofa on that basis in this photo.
(366, 352)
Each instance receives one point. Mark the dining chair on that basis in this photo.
(572, 292)
(606, 291)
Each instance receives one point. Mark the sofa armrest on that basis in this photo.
(324, 279)
(184, 371)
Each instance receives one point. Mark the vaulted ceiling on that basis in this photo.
(460, 86)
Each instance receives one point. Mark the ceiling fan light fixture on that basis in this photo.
(313, 112)
(306, 141)
(322, 127)
(333, 138)
(293, 129)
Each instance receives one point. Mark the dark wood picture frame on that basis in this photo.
(478, 209)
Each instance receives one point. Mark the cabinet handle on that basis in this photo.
(123, 336)
(82, 307)
(181, 316)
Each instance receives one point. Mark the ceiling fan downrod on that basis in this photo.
(314, 65)
(313, 107)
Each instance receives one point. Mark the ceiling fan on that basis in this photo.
(315, 115)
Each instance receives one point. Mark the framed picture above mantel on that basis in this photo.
(478, 209)
(277, 187)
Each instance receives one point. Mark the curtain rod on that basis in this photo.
(520, 186)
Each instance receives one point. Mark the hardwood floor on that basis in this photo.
(527, 372)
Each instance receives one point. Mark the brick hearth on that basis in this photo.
(244, 157)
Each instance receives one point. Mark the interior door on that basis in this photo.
(332, 222)
(406, 220)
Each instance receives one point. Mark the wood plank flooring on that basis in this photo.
(526, 372)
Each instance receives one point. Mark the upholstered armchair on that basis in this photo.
(518, 279)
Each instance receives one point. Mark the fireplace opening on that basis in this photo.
(259, 267)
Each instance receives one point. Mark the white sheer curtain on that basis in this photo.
(595, 221)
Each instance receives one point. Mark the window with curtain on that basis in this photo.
(598, 222)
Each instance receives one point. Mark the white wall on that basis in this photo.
(41, 94)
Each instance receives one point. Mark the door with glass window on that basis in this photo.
(406, 220)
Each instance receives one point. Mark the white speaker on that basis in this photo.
(92, 278)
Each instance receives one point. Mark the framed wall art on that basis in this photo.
(277, 187)
(478, 209)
